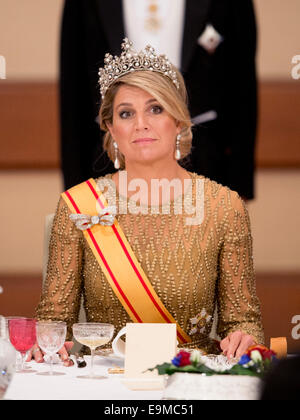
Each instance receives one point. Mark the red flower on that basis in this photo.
(184, 357)
(263, 350)
(269, 355)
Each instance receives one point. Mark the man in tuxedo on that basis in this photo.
(212, 42)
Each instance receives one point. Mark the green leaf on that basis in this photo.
(162, 369)
(240, 370)
(170, 369)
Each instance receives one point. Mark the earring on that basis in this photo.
(177, 151)
(116, 162)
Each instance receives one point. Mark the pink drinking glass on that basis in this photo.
(22, 335)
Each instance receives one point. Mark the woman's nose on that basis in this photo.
(141, 122)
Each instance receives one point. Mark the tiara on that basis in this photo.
(130, 61)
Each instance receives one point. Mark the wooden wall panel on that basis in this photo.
(29, 136)
(29, 124)
(278, 142)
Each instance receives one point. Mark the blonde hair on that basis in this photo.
(173, 100)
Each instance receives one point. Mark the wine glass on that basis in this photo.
(51, 337)
(22, 335)
(6, 335)
(93, 335)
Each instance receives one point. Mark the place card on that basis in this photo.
(148, 345)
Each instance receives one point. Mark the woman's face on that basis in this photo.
(143, 130)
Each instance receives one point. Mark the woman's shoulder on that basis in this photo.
(104, 177)
(100, 182)
(218, 193)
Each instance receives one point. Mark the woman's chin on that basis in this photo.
(149, 160)
(146, 156)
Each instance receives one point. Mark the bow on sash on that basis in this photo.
(105, 217)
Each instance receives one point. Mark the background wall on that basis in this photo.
(29, 36)
(29, 32)
(279, 32)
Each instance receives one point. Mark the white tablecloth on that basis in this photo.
(31, 386)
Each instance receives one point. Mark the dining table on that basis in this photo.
(71, 383)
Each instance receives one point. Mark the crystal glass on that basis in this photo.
(93, 335)
(5, 334)
(51, 337)
(7, 359)
(7, 365)
(8, 318)
(22, 335)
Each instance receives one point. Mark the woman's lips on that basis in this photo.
(144, 140)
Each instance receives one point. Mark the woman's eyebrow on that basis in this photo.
(129, 104)
(123, 104)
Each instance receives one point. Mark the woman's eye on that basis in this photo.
(156, 109)
(125, 114)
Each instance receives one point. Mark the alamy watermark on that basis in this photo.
(296, 329)
(162, 196)
(296, 69)
(2, 67)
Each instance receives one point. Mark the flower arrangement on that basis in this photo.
(255, 362)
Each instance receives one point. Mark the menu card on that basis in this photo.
(148, 345)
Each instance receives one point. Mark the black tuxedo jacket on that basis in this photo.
(224, 81)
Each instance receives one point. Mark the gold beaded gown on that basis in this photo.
(193, 268)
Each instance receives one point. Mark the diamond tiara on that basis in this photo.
(129, 61)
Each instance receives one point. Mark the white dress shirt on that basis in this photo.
(167, 39)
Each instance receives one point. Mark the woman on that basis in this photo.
(187, 264)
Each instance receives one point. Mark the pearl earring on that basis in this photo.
(116, 162)
(177, 151)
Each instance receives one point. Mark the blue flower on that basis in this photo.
(244, 360)
(176, 361)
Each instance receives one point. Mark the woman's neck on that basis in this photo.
(152, 184)
(157, 170)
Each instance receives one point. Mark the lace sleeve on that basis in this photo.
(238, 304)
(61, 294)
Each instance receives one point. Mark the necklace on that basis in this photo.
(152, 21)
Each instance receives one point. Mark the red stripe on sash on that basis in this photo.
(72, 201)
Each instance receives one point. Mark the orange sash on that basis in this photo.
(118, 262)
